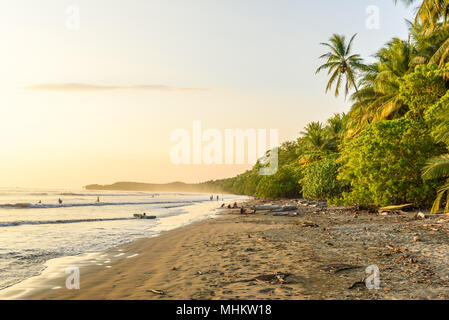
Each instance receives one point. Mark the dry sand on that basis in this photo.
(318, 254)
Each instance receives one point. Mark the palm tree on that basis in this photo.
(336, 127)
(430, 12)
(430, 30)
(340, 64)
(379, 86)
(438, 167)
(430, 47)
(316, 138)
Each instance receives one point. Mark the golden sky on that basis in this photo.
(97, 104)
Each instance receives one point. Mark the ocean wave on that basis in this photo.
(20, 223)
(17, 205)
(79, 194)
(164, 204)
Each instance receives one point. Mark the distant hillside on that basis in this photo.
(165, 187)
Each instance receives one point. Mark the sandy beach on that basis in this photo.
(318, 253)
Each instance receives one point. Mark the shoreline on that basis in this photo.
(53, 268)
(319, 253)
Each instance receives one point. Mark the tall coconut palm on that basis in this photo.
(429, 12)
(430, 47)
(430, 30)
(379, 86)
(341, 64)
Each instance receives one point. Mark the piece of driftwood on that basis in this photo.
(358, 285)
(276, 278)
(396, 208)
(336, 268)
(267, 207)
(156, 291)
(279, 210)
(140, 216)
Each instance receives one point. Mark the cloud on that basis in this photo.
(92, 87)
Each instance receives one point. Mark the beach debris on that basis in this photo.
(275, 278)
(199, 273)
(267, 290)
(289, 208)
(307, 224)
(358, 285)
(267, 207)
(270, 208)
(395, 208)
(160, 292)
(391, 210)
(281, 214)
(416, 239)
(420, 216)
(142, 216)
(336, 268)
(279, 278)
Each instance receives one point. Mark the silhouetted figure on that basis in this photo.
(234, 205)
(59, 201)
(98, 199)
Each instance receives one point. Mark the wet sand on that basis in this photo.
(320, 253)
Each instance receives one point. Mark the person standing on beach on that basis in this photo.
(59, 201)
(98, 199)
(218, 198)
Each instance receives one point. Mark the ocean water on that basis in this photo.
(35, 228)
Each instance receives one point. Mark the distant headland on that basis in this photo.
(164, 187)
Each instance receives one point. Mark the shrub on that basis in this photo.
(437, 118)
(320, 179)
(383, 164)
(422, 88)
(283, 184)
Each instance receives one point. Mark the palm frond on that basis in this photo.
(437, 167)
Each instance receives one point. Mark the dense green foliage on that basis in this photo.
(422, 88)
(383, 164)
(438, 167)
(283, 184)
(320, 179)
(392, 146)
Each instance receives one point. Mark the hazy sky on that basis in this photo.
(145, 68)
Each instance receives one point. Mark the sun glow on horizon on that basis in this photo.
(98, 104)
